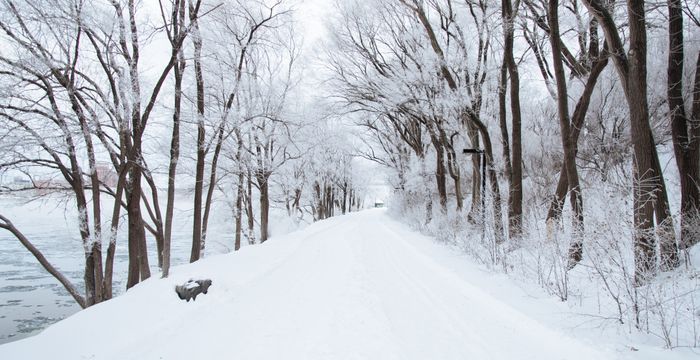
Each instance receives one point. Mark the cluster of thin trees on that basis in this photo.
(89, 82)
(431, 77)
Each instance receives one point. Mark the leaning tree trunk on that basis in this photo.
(114, 227)
(577, 121)
(212, 185)
(6, 224)
(155, 214)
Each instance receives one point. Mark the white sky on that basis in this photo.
(311, 15)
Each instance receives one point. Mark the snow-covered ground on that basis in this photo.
(30, 298)
(360, 286)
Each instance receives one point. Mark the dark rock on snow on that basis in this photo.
(192, 288)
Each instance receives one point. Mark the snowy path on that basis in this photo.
(347, 288)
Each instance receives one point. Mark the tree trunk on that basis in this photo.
(212, 185)
(515, 199)
(238, 212)
(178, 17)
(137, 234)
(155, 214)
(114, 227)
(345, 197)
(453, 169)
(440, 173)
(318, 200)
(686, 133)
(578, 119)
(492, 177)
(329, 201)
(690, 214)
(144, 266)
(649, 188)
(473, 134)
(646, 174)
(264, 206)
(503, 118)
(172, 168)
(96, 248)
(249, 210)
(297, 200)
(568, 143)
(201, 147)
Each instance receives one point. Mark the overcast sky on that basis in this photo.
(311, 15)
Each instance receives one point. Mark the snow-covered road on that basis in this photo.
(352, 287)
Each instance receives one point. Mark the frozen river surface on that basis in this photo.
(30, 298)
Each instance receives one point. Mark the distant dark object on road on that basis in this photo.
(192, 288)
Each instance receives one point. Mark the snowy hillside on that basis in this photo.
(360, 286)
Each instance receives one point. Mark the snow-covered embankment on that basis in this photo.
(360, 286)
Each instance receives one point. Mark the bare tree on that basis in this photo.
(515, 199)
(566, 135)
(197, 243)
(650, 196)
(177, 28)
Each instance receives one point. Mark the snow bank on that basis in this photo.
(360, 286)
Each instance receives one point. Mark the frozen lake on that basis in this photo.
(30, 298)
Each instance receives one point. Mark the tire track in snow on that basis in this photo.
(502, 331)
(391, 250)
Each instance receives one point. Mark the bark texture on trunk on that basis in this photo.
(264, 206)
(649, 189)
(568, 143)
(685, 131)
(195, 253)
(515, 199)
(178, 28)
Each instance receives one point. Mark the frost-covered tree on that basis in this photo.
(414, 72)
(77, 72)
